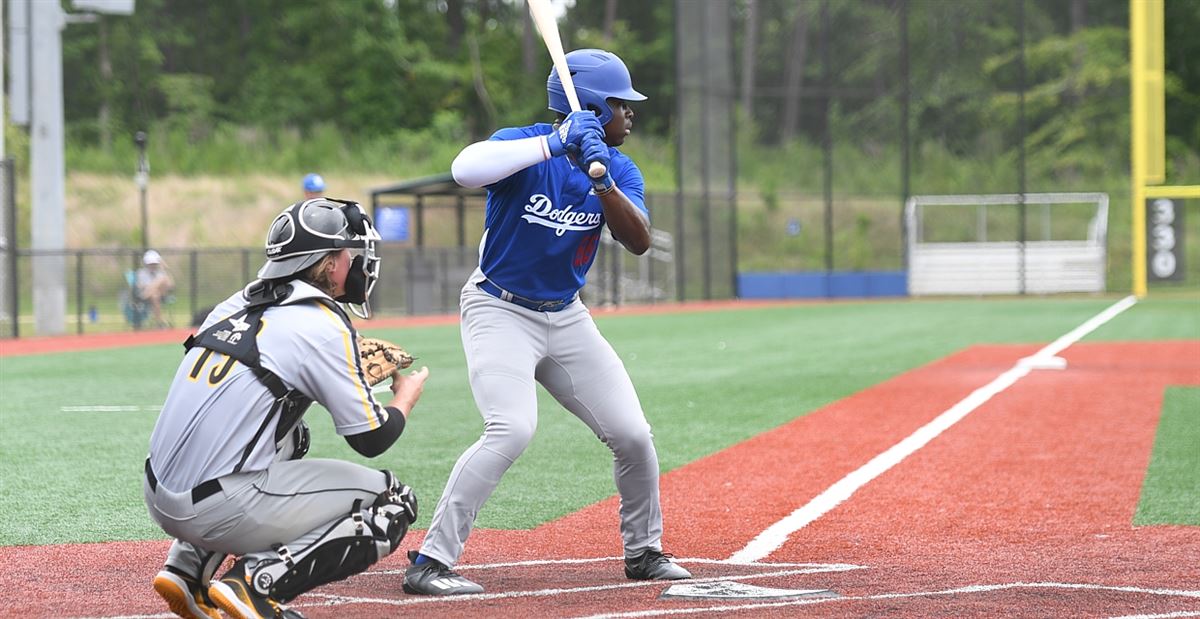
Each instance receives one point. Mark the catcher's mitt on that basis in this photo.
(381, 358)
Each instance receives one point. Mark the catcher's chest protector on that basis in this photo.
(237, 337)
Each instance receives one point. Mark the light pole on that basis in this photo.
(142, 178)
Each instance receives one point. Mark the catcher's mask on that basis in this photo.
(304, 232)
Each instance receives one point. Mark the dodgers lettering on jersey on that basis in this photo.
(543, 224)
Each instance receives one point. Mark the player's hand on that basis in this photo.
(568, 136)
(407, 389)
(595, 150)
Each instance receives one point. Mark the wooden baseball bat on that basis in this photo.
(543, 18)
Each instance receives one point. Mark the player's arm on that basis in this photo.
(491, 161)
(623, 205)
(406, 390)
(333, 374)
(626, 221)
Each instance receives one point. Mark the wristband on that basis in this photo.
(603, 185)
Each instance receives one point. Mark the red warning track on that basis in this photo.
(1024, 508)
(93, 341)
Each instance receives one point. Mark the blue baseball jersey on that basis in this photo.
(542, 225)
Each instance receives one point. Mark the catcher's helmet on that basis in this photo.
(598, 76)
(305, 231)
(314, 183)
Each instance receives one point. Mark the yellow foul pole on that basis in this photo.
(1147, 120)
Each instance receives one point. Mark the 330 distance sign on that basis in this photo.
(1164, 242)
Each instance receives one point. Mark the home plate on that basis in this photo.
(1037, 362)
(731, 590)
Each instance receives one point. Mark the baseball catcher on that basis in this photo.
(225, 473)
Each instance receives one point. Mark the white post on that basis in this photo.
(47, 169)
(4, 206)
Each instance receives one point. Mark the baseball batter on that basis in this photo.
(224, 474)
(523, 322)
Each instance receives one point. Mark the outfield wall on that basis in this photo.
(822, 285)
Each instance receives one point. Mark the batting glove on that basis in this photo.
(595, 150)
(570, 132)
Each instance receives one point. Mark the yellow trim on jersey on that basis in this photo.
(352, 367)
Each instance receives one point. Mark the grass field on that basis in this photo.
(73, 444)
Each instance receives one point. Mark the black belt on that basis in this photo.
(199, 493)
(537, 306)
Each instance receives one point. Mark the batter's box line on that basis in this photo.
(337, 600)
(814, 567)
(894, 596)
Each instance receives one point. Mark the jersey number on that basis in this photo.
(587, 249)
(220, 368)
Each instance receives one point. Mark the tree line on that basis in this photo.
(371, 69)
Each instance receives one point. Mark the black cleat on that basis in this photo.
(654, 565)
(433, 578)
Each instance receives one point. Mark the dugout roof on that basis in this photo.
(437, 191)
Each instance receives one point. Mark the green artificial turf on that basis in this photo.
(707, 380)
(1171, 490)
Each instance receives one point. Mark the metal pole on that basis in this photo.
(649, 257)
(47, 169)
(731, 108)
(194, 285)
(411, 268)
(142, 178)
(10, 176)
(443, 275)
(905, 146)
(79, 292)
(705, 160)
(1021, 149)
(460, 219)
(680, 273)
(826, 138)
(420, 221)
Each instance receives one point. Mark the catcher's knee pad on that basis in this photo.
(348, 547)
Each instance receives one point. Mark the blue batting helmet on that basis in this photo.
(314, 182)
(598, 76)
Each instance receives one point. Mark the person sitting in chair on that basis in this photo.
(153, 283)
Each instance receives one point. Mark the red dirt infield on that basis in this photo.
(1021, 509)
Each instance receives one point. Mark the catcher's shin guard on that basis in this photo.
(348, 547)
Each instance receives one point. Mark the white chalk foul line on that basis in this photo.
(333, 600)
(777, 534)
(894, 596)
(103, 408)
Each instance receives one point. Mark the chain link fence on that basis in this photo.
(801, 128)
(833, 112)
